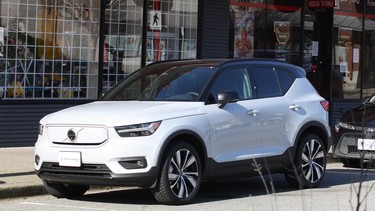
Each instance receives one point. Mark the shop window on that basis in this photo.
(348, 31)
(171, 35)
(48, 49)
(269, 29)
(171, 30)
(368, 71)
(122, 41)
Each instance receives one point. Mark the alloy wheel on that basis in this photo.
(183, 173)
(313, 161)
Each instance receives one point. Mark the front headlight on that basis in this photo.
(343, 125)
(346, 125)
(41, 129)
(145, 129)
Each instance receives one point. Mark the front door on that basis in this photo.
(235, 128)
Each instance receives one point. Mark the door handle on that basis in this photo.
(252, 112)
(294, 107)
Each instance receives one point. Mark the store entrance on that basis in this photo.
(318, 49)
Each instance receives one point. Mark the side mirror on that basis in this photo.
(225, 97)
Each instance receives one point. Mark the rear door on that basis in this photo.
(277, 111)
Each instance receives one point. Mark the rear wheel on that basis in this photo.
(309, 163)
(65, 190)
(180, 176)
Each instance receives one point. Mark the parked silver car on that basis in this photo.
(171, 125)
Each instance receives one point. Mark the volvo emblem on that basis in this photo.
(71, 135)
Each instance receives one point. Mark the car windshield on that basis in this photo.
(371, 100)
(159, 83)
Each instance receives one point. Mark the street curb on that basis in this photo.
(13, 192)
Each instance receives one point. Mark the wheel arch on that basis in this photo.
(190, 137)
(314, 127)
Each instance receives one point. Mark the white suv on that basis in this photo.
(171, 125)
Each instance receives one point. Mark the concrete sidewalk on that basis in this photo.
(17, 176)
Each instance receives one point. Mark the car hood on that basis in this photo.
(115, 113)
(363, 115)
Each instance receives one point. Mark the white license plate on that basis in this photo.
(72, 159)
(366, 144)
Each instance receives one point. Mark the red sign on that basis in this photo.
(321, 3)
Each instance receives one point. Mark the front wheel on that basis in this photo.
(180, 176)
(65, 190)
(309, 164)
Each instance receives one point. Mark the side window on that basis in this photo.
(285, 79)
(266, 82)
(232, 80)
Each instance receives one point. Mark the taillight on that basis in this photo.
(325, 104)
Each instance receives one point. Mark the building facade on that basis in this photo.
(59, 53)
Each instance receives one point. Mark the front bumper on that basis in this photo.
(116, 162)
(94, 174)
(345, 145)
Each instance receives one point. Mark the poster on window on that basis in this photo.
(340, 58)
(244, 34)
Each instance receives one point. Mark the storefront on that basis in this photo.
(59, 53)
(332, 40)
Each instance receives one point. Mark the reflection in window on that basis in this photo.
(161, 83)
(368, 77)
(346, 51)
(122, 46)
(48, 48)
(172, 30)
(266, 30)
(236, 80)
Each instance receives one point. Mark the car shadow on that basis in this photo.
(229, 189)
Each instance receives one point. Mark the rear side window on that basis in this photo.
(266, 82)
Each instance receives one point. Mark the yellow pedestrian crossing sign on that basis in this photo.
(155, 20)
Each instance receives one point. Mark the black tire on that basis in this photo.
(309, 164)
(350, 162)
(65, 190)
(180, 177)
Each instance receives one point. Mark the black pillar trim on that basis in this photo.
(144, 34)
(101, 47)
(302, 36)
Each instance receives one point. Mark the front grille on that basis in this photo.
(348, 142)
(352, 149)
(92, 170)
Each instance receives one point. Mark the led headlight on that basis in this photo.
(144, 129)
(344, 125)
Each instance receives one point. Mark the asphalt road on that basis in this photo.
(337, 192)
